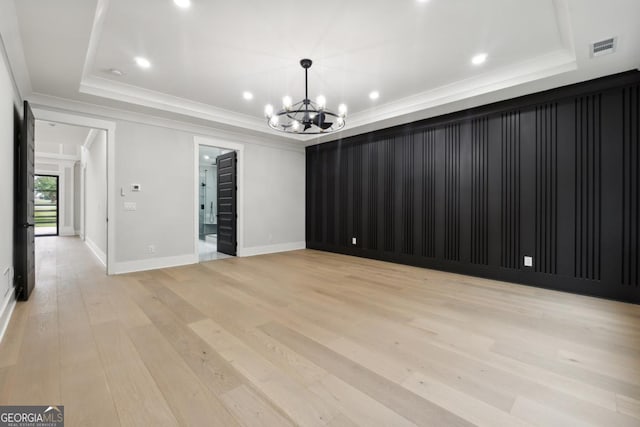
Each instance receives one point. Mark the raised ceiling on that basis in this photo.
(416, 54)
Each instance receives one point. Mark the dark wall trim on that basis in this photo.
(553, 175)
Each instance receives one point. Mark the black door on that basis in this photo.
(227, 203)
(24, 258)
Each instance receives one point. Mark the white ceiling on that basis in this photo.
(416, 54)
(58, 133)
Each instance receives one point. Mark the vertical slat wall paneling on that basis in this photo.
(333, 196)
(566, 177)
(324, 227)
(546, 188)
(511, 190)
(408, 195)
(452, 192)
(356, 179)
(344, 239)
(371, 238)
(418, 221)
(319, 216)
(389, 193)
(311, 173)
(480, 191)
(587, 193)
(631, 187)
(429, 193)
(554, 175)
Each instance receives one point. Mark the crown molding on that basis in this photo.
(49, 102)
(64, 159)
(406, 109)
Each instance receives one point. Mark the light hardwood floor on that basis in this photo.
(317, 339)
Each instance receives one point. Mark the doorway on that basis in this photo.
(69, 160)
(46, 195)
(216, 198)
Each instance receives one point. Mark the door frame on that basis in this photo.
(42, 113)
(59, 181)
(239, 149)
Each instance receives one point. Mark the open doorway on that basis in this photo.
(216, 203)
(70, 183)
(45, 196)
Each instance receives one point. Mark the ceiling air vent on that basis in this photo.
(603, 47)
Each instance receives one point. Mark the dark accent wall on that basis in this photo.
(554, 176)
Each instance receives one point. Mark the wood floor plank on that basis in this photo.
(379, 388)
(316, 339)
(136, 395)
(251, 410)
(191, 402)
(12, 340)
(296, 401)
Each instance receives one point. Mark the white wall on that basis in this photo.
(274, 202)
(96, 195)
(8, 99)
(77, 198)
(161, 160)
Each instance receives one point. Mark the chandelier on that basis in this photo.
(305, 117)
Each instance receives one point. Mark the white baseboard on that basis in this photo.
(67, 231)
(270, 249)
(5, 314)
(154, 263)
(96, 251)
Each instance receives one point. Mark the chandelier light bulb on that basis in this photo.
(321, 101)
(287, 102)
(274, 120)
(342, 109)
(268, 111)
(340, 120)
(295, 125)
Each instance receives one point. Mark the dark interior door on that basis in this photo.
(24, 261)
(227, 203)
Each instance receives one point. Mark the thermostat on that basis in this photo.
(136, 187)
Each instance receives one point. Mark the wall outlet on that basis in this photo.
(354, 241)
(151, 249)
(528, 261)
(136, 187)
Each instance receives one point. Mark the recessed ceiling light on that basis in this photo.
(479, 59)
(116, 72)
(423, 1)
(206, 157)
(142, 62)
(182, 3)
(247, 95)
(374, 95)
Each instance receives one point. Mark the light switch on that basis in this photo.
(130, 206)
(136, 187)
(528, 261)
(354, 241)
